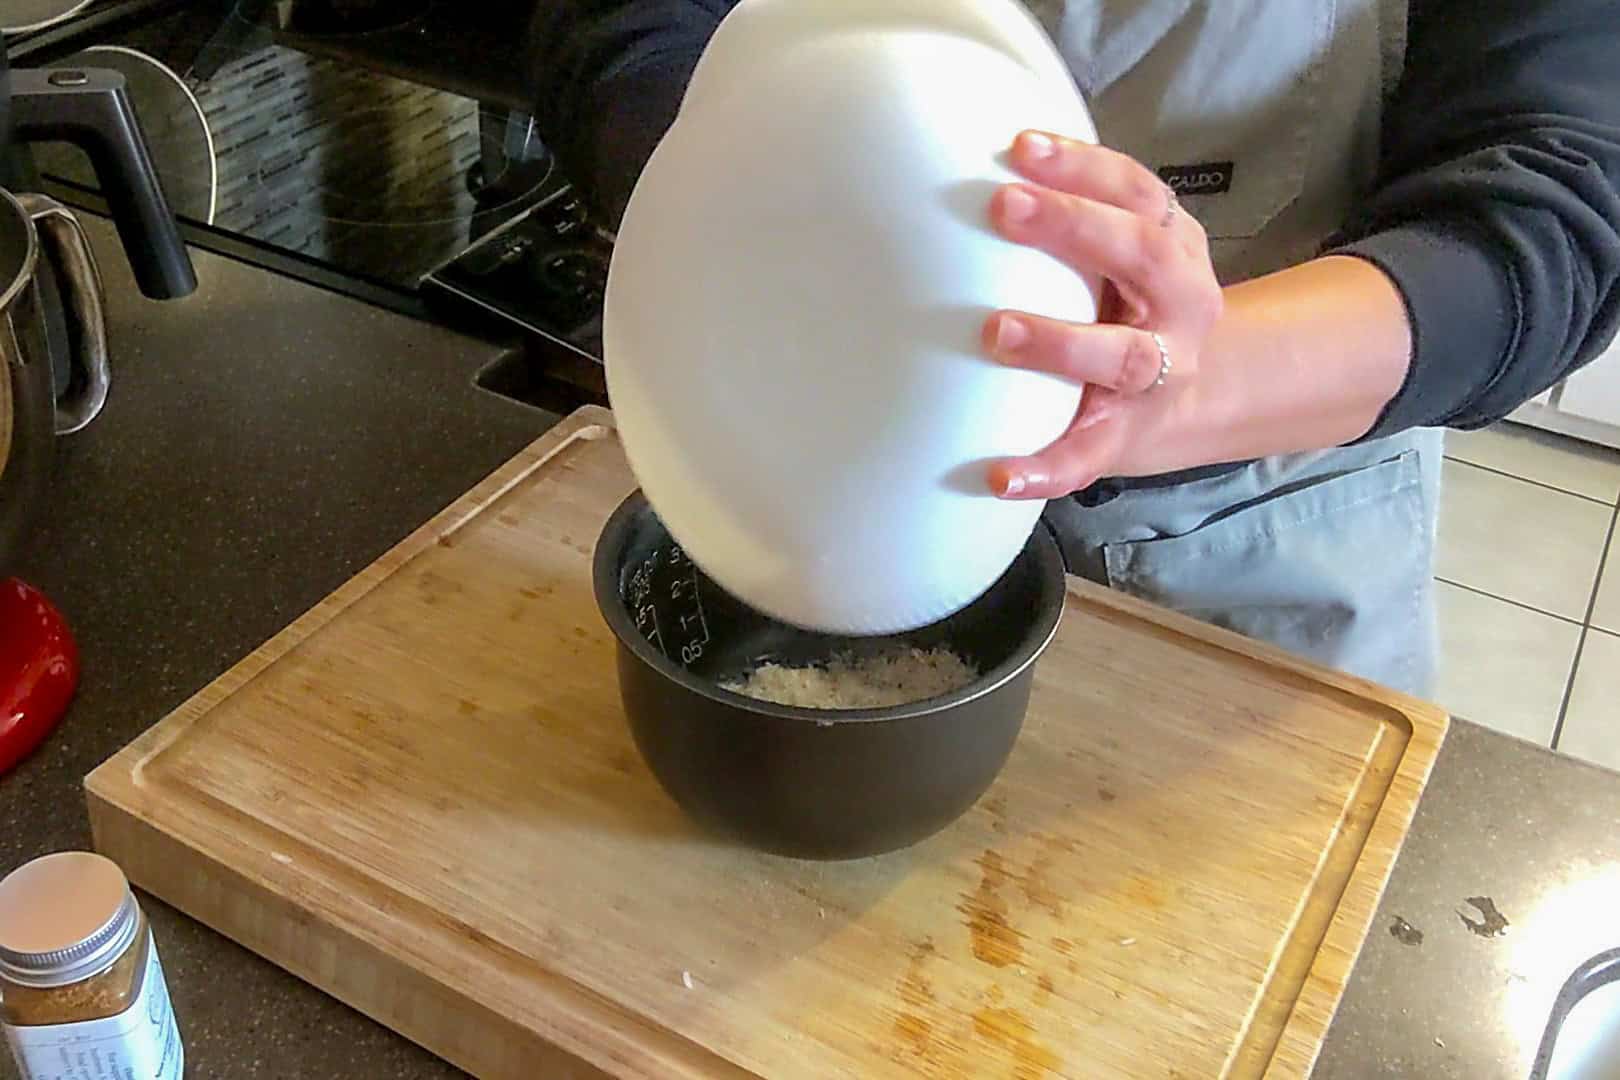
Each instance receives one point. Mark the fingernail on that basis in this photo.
(1011, 333)
(1017, 205)
(1038, 146)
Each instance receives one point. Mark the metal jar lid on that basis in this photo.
(64, 918)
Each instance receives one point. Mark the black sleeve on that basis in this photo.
(1497, 208)
(610, 75)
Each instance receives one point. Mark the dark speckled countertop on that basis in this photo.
(266, 440)
(1521, 830)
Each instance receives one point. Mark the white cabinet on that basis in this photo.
(1594, 391)
(1584, 406)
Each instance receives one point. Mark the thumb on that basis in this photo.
(1076, 461)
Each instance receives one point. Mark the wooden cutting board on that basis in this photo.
(422, 798)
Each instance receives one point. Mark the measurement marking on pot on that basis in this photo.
(686, 587)
(641, 591)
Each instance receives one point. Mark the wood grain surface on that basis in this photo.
(423, 798)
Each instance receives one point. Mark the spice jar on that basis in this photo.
(82, 993)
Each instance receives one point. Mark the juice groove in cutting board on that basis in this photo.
(422, 797)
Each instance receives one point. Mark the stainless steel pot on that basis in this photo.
(34, 229)
(53, 335)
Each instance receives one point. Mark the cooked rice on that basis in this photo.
(899, 676)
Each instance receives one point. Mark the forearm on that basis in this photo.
(1497, 209)
(1484, 267)
(1303, 359)
(610, 75)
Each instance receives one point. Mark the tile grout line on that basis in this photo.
(1569, 689)
(1493, 470)
(1521, 605)
(1586, 628)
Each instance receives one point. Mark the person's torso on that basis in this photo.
(1262, 114)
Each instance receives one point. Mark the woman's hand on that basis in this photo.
(1105, 214)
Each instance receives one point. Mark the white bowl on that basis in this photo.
(793, 312)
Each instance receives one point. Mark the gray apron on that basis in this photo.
(1268, 117)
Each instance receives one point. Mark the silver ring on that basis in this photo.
(1172, 206)
(1165, 366)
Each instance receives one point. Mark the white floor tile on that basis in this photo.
(1529, 454)
(1592, 726)
(1606, 612)
(1502, 665)
(1520, 541)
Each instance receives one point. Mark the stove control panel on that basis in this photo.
(545, 270)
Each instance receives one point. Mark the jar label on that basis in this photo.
(140, 1043)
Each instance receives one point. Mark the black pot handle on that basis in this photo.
(91, 109)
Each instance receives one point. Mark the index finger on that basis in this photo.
(1090, 171)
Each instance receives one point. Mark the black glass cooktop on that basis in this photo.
(385, 142)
